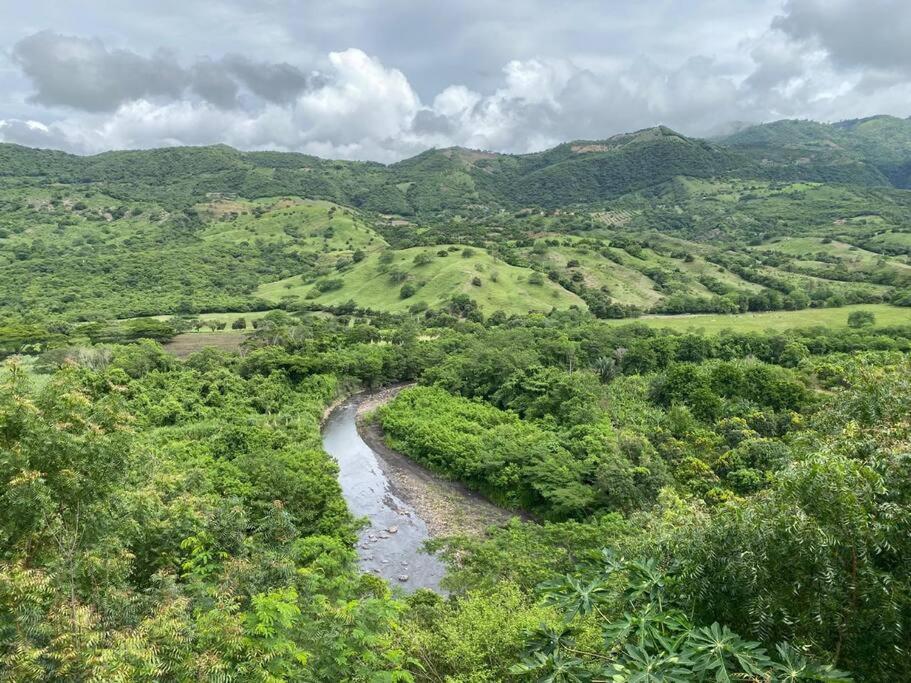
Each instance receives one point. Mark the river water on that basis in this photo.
(391, 546)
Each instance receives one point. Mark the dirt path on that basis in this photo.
(448, 507)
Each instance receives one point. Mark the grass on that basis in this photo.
(27, 364)
(305, 226)
(370, 283)
(626, 277)
(776, 320)
(185, 344)
(626, 284)
(225, 316)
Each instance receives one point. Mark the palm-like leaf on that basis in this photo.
(638, 665)
(576, 596)
(717, 648)
(793, 666)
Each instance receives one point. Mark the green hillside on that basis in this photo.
(870, 151)
(383, 280)
(639, 223)
(655, 422)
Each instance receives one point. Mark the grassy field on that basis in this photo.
(225, 316)
(776, 320)
(628, 278)
(372, 284)
(185, 344)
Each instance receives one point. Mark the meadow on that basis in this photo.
(885, 316)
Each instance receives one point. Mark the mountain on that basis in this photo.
(580, 172)
(649, 221)
(869, 151)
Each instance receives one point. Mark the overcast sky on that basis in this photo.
(385, 79)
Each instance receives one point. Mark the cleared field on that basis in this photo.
(776, 320)
(225, 316)
(185, 344)
(492, 283)
(807, 246)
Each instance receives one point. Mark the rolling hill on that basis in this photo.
(786, 214)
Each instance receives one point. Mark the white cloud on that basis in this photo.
(514, 81)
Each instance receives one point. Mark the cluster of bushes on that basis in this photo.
(519, 463)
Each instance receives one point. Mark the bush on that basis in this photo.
(330, 285)
(861, 319)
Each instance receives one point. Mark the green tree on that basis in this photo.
(861, 319)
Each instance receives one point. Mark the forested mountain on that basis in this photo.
(875, 150)
(645, 222)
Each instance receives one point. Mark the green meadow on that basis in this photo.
(775, 320)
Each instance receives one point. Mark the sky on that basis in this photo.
(383, 80)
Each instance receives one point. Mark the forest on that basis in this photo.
(682, 364)
(706, 506)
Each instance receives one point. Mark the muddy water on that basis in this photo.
(391, 546)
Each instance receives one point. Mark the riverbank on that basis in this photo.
(447, 507)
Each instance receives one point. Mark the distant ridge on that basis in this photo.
(874, 151)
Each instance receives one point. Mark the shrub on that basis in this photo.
(861, 319)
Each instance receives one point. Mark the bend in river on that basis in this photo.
(404, 503)
(391, 546)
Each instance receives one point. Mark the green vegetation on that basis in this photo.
(377, 283)
(778, 320)
(652, 222)
(717, 496)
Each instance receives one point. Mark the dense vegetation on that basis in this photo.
(178, 520)
(732, 503)
(650, 222)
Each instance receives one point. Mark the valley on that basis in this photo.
(624, 409)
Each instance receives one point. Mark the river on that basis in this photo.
(391, 546)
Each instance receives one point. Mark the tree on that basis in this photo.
(239, 324)
(858, 319)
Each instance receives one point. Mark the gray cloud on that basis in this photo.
(279, 83)
(872, 33)
(509, 76)
(84, 74)
(211, 82)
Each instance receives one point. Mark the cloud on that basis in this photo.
(277, 83)
(82, 73)
(873, 33)
(503, 80)
(35, 134)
